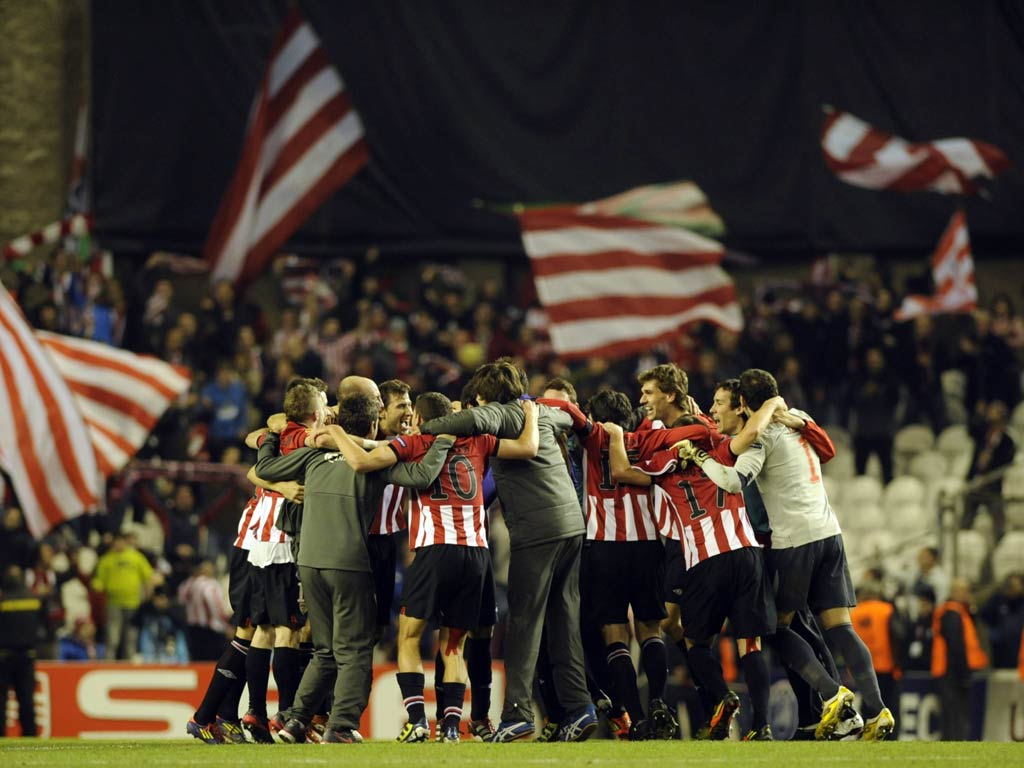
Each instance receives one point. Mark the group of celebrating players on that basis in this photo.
(692, 521)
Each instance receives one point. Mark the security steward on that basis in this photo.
(20, 614)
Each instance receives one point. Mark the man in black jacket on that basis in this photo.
(19, 630)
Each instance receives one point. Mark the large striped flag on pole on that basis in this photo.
(867, 157)
(304, 141)
(953, 274)
(72, 412)
(45, 447)
(615, 282)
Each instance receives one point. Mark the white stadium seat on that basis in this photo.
(956, 445)
(910, 441)
(862, 491)
(972, 551)
(929, 466)
(903, 491)
(1013, 496)
(1008, 556)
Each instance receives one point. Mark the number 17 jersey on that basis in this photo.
(709, 521)
(452, 510)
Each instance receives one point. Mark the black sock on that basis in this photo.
(654, 660)
(286, 674)
(623, 680)
(858, 661)
(305, 655)
(805, 626)
(796, 654)
(230, 668)
(454, 698)
(759, 684)
(706, 703)
(439, 687)
(411, 685)
(257, 676)
(808, 702)
(478, 664)
(708, 671)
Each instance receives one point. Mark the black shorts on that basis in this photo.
(240, 587)
(623, 574)
(383, 560)
(275, 596)
(675, 571)
(445, 582)
(814, 576)
(733, 586)
(488, 598)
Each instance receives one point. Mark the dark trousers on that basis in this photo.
(544, 594)
(880, 445)
(955, 696)
(342, 614)
(18, 669)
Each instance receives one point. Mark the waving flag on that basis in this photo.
(953, 274)
(867, 157)
(45, 447)
(121, 395)
(616, 279)
(72, 412)
(304, 141)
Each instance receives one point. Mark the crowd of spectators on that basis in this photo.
(833, 341)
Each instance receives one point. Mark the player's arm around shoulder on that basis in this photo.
(528, 443)
(757, 425)
(618, 460)
(420, 474)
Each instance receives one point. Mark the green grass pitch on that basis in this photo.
(382, 754)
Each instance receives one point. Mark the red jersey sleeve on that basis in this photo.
(579, 419)
(819, 441)
(410, 447)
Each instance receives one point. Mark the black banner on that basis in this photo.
(572, 100)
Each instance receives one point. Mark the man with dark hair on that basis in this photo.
(624, 560)
(723, 571)
(664, 393)
(807, 555)
(334, 566)
(448, 580)
(546, 533)
(730, 418)
(274, 577)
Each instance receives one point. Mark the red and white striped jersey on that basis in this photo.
(615, 511)
(246, 536)
(452, 510)
(707, 520)
(390, 517)
(205, 606)
(268, 543)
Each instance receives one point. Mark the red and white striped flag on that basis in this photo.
(867, 157)
(45, 447)
(953, 274)
(121, 395)
(304, 141)
(614, 285)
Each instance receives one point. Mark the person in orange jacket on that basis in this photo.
(956, 653)
(882, 629)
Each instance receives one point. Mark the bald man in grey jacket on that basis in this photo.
(546, 532)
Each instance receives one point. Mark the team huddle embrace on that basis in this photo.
(693, 522)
